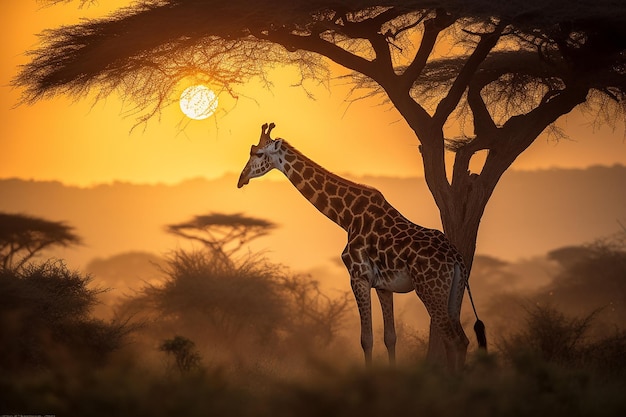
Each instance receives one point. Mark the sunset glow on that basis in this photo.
(107, 146)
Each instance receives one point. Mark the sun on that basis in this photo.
(198, 102)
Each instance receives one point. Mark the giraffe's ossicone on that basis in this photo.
(385, 251)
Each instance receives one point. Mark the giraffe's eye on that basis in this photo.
(256, 153)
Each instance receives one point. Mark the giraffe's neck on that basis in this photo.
(337, 198)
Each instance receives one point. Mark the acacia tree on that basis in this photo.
(22, 237)
(222, 234)
(520, 66)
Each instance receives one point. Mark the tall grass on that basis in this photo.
(530, 387)
(526, 379)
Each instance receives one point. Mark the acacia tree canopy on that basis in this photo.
(22, 237)
(223, 234)
(521, 65)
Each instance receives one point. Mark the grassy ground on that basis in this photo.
(526, 387)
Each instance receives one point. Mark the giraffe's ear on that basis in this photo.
(277, 144)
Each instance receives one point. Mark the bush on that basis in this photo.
(183, 350)
(216, 300)
(551, 336)
(45, 315)
(239, 306)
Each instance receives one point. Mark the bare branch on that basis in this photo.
(519, 132)
(432, 28)
(464, 77)
(483, 122)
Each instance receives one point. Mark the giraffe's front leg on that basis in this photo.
(362, 294)
(386, 303)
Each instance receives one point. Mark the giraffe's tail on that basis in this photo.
(481, 335)
(479, 326)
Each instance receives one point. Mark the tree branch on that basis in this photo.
(313, 43)
(451, 100)
(519, 132)
(485, 130)
(484, 125)
(432, 28)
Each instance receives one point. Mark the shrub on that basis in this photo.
(45, 314)
(183, 350)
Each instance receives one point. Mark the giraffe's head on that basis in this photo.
(264, 157)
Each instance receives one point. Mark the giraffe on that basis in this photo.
(385, 251)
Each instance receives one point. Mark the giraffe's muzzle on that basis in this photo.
(243, 180)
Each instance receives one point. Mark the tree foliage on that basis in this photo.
(231, 42)
(22, 237)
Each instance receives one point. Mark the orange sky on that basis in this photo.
(82, 143)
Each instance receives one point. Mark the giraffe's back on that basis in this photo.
(399, 249)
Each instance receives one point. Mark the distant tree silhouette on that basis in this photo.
(123, 273)
(45, 319)
(585, 281)
(223, 234)
(242, 301)
(22, 237)
(591, 277)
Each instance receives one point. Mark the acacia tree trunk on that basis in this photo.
(462, 201)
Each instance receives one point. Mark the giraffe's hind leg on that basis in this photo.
(454, 340)
(462, 346)
(436, 349)
(441, 304)
(457, 290)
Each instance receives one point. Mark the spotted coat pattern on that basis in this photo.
(385, 251)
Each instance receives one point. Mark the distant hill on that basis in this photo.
(529, 214)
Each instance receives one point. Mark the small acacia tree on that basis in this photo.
(22, 237)
(222, 234)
